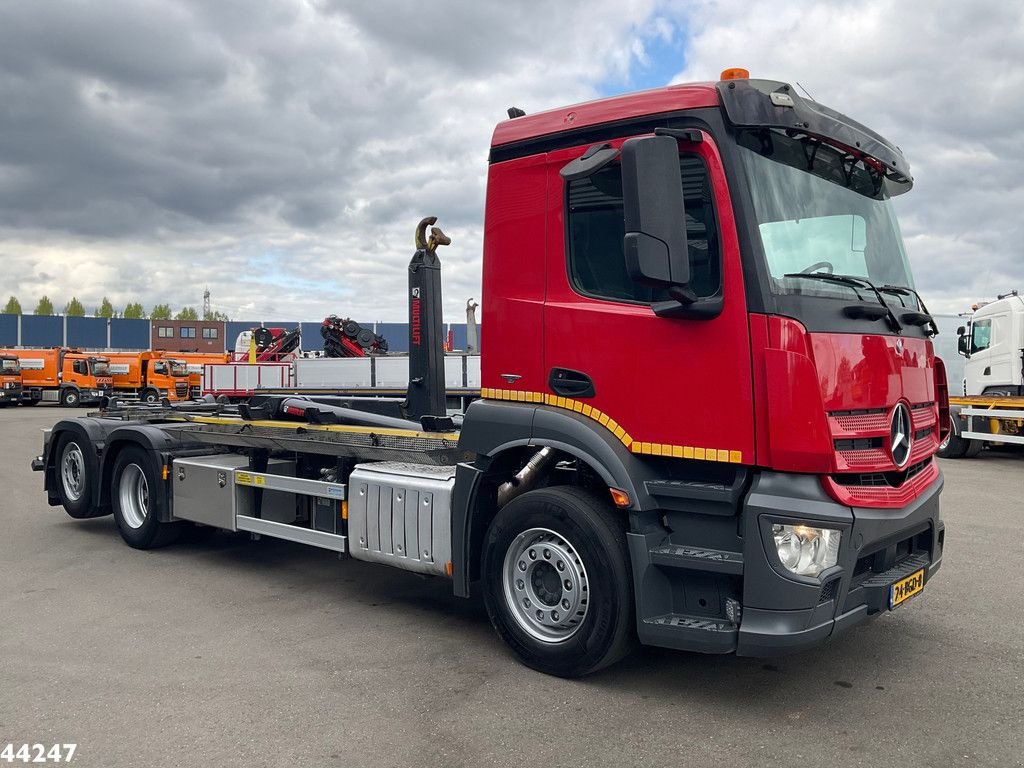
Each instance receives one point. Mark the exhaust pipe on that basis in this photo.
(526, 477)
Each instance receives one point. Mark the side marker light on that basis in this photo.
(619, 498)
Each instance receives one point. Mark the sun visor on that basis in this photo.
(771, 104)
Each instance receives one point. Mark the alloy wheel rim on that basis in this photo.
(134, 496)
(545, 585)
(72, 471)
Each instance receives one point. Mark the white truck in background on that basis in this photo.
(991, 409)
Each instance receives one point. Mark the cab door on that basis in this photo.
(675, 387)
(994, 357)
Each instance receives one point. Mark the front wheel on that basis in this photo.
(557, 581)
(150, 396)
(133, 493)
(70, 398)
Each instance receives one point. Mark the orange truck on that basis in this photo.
(62, 375)
(149, 376)
(195, 362)
(10, 380)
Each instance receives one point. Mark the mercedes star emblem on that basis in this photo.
(899, 432)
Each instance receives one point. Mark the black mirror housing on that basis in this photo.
(652, 190)
(962, 345)
(961, 331)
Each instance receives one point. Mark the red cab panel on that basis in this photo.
(514, 266)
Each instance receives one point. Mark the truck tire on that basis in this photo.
(954, 446)
(74, 480)
(135, 480)
(974, 447)
(557, 581)
(70, 398)
(149, 396)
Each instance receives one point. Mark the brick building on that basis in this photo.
(187, 335)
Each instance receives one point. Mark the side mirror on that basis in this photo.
(652, 191)
(961, 331)
(963, 344)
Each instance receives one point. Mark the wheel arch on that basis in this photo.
(92, 436)
(152, 440)
(500, 433)
(65, 388)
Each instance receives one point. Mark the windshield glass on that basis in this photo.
(99, 367)
(9, 365)
(821, 210)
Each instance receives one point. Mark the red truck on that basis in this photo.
(721, 438)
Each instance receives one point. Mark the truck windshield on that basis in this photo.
(819, 209)
(178, 368)
(10, 365)
(99, 366)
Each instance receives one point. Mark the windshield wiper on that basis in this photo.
(855, 282)
(922, 318)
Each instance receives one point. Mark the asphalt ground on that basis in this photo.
(232, 652)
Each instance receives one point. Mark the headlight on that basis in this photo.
(804, 550)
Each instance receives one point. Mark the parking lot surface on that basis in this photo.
(233, 652)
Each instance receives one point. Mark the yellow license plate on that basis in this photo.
(904, 589)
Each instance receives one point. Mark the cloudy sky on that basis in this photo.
(281, 151)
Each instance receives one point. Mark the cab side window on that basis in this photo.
(78, 366)
(981, 335)
(595, 230)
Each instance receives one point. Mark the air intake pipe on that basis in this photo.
(527, 477)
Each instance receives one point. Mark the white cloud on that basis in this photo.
(941, 79)
(282, 152)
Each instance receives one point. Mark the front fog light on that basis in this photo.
(804, 550)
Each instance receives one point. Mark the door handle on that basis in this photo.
(570, 383)
(987, 371)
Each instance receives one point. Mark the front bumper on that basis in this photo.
(774, 612)
(785, 613)
(94, 395)
(10, 395)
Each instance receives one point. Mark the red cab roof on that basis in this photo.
(657, 101)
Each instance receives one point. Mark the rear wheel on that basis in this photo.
(74, 478)
(133, 493)
(558, 587)
(70, 398)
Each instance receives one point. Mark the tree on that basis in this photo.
(134, 311)
(216, 316)
(45, 306)
(13, 307)
(106, 309)
(74, 308)
(161, 312)
(187, 313)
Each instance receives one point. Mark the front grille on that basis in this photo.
(860, 439)
(877, 479)
(865, 420)
(181, 390)
(859, 444)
